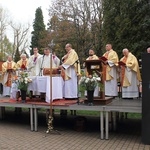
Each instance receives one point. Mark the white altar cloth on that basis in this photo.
(42, 84)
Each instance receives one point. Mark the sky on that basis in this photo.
(23, 11)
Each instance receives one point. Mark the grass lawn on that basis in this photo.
(134, 115)
(94, 113)
(97, 114)
(79, 112)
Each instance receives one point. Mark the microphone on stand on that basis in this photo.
(40, 73)
(78, 100)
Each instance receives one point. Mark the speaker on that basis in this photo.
(146, 98)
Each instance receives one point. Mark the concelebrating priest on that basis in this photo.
(70, 70)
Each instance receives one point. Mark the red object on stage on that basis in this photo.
(23, 67)
(121, 63)
(103, 58)
(37, 101)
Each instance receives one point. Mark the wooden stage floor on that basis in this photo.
(117, 105)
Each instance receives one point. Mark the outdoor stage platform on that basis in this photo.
(117, 105)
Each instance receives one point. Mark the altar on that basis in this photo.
(42, 84)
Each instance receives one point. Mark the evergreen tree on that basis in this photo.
(39, 31)
(126, 25)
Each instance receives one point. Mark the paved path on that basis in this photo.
(15, 134)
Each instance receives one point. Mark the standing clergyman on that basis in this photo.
(56, 59)
(70, 71)
(92, 56)
(44, 61)
(23, 62)
(130, 75)
(110, 71)
(32, 63)
(8, 69)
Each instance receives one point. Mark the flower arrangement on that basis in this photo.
(89, 82)
(23, 81)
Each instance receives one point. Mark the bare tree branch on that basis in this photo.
(20, 36)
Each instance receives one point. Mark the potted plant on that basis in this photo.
(89, 83)
(23, 82)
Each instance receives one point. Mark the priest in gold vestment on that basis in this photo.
(130, 75)
(70, 71)
(8, 70)
(23, 62)
(110, 71)
(92, 56)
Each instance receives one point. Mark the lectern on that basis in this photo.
(97, 66)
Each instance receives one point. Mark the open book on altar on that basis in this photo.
(103, 58)
(121, 63)
(46, 71)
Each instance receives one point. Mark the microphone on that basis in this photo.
(40, 73)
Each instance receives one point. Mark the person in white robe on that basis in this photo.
(110, 71)
(33, 67)
(56, 59)
(32, 63)
(8, 72)
(44, 62)
(130, 75)
(70, 71)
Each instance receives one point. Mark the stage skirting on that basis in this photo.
(42, 84)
